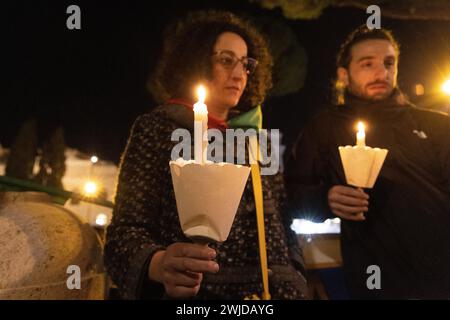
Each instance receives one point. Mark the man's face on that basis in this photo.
(372, 73)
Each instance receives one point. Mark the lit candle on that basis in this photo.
(200, 127)
(361, 135)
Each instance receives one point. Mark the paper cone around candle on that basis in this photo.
(362, 164)
(207, 197)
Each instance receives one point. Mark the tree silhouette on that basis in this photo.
(23, 152)
(399, 9)
(52, 161)
(289, 57)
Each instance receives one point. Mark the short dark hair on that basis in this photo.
(360, 34)
(186, 56)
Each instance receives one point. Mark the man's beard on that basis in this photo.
(361, 93)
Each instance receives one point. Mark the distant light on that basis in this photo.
(420, 89)
(446, 87)
(90, 189)
(303, 226)
(94, 159)
(308, 227)
(101, 219)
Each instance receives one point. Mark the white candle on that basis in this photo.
(200, 127)
(361, 135)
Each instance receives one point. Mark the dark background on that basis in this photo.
(92, 81)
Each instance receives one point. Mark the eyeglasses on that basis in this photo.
(229, 61)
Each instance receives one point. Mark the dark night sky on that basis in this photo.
(92, 81)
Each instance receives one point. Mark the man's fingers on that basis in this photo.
(350, 192)
(348, 209)
(350, 201)
(193, 265)
(360, 216)
(347, 216)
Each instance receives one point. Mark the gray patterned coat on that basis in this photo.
(145, 220)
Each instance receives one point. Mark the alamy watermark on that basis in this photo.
(374, 280)
(239, 146)
(74, 280)
(374, 21)
(74, 20)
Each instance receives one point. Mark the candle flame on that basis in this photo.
(361, 127)
(201, 93)
(360, 135)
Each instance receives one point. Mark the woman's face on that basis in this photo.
(229, 71)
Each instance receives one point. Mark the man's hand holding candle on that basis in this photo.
(348, 203)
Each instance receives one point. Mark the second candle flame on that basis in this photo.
(361, 127)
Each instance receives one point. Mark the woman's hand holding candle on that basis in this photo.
(181, 266)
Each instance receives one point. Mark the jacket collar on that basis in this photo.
(393, 106)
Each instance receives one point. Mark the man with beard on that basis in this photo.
(402, 225)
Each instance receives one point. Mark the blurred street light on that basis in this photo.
(90, 189)
(101, 220)
(94, 159)
(446, 87)
(420, 90)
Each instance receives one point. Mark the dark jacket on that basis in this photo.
(407, 227)
(145, 220)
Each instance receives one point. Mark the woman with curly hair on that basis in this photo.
(146, 253)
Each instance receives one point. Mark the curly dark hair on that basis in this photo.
(186, 57)
(344, 56)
